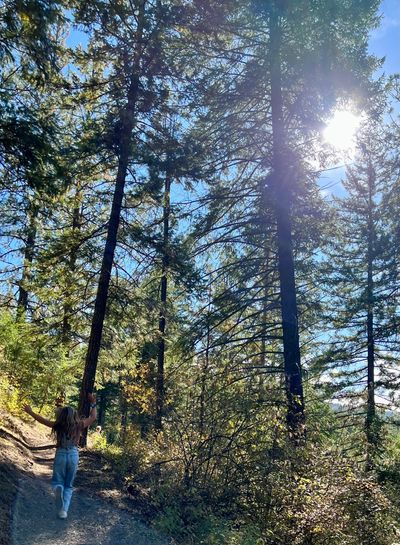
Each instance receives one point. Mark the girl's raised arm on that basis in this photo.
(86, 422)
(38, 417)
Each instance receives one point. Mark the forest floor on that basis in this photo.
(100, 513)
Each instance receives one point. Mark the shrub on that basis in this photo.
(33, 365)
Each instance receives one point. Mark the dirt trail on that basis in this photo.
(91, 521)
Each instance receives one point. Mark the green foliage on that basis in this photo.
(28, 29)
(190, 520)
(9, 396)
(222, 471)
(33, 364)
(312, 496)
(389, 468)
(325, 499)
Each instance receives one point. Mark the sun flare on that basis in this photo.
(341, 130)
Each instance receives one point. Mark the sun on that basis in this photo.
(341, 130)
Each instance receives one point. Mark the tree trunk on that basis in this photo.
(163, 306)
(204, 369)
(371, 412)
(102, 406)
(123, 407)
(32, 214)
(282, 200)
(67, 307)
(264, 319)
(127, 124)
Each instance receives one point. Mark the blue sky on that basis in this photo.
(385, 40)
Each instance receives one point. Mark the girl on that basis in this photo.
(67, 429)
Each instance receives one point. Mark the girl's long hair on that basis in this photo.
(67, 423)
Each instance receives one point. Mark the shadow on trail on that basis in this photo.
(9, 475)
(42, 447)
(10, 436)
(42, 460)
(90, 521)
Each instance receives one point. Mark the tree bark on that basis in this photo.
(163, 306)
(204, 368)
(282, 201)
(123, 407)
(127, 124)
(102, 406)
(371, 411)
(67, 307)
(32, 214)
(264, 316)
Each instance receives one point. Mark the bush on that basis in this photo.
(308, 497)
(9, 396)
(324, 499)
(389, 470)
(33, 365)
(303, 496)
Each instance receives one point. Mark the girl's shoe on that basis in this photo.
(62, 514)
